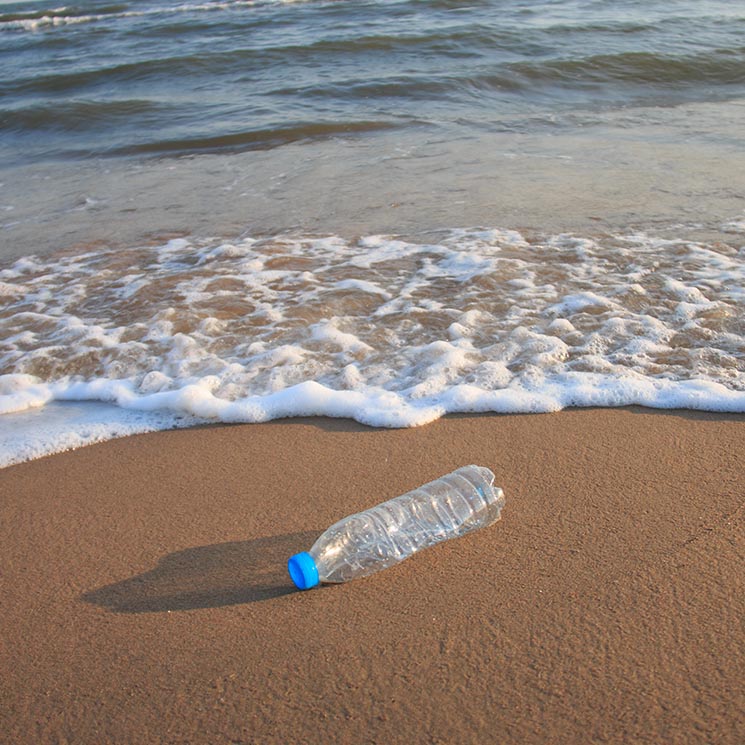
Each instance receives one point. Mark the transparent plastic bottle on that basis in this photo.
(382, 536)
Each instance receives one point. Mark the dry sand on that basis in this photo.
(145, 598)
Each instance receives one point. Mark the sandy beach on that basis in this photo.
(284, 251)
(145, 597)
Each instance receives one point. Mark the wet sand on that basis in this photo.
(145, 598)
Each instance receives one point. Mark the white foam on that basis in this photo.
(56, 17)
(329, 331)
(355, 284)
(734, 226)
(65, 426)
(382, 330)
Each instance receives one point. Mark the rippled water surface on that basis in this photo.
(98, 78)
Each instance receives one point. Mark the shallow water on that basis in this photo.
(386, 331)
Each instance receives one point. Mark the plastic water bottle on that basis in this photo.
(382, 536)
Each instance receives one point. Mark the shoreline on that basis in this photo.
(68, 426)
(146, 599)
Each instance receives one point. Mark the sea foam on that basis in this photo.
(386, 331)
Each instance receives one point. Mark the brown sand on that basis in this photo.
(145, 600)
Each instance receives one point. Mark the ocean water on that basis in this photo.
(387, 211)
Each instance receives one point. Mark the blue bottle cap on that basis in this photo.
(303, 570)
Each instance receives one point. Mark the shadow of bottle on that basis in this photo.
(208, 577)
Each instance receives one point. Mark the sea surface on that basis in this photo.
(387, 211)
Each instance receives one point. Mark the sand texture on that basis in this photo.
(145, 597)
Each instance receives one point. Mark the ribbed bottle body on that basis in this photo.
(384, 535)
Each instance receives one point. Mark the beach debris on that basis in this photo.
(366, 542)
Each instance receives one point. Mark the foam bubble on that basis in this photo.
(386, 331)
